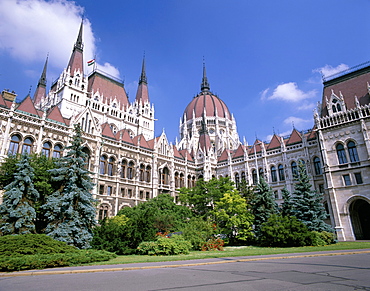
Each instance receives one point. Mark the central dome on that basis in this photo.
(206, 103)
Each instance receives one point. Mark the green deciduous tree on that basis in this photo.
(71, 209)
(17, 211)
(308, 204)
(263, 205)
(157, 215)
(233, 218)
(205, 194)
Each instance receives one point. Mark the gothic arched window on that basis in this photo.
(103, 165)
(130, 170)
(111, 166)
(294, 169)
(46, 148)
(14, 145)
(342, 158)
(58, 149)
(352, 152)
(317, 165)
(254, 177)
(147, 174)
(27, 146)
(281, 172)
(123, 168)
(237, 181)
(273, 174)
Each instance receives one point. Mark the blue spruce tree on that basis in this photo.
(263, 205)
(17, 211)
(308, 204)
(71, 209)
(287, 207)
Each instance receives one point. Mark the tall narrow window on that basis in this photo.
(237, 181)
(347, 180)
(273, 174)
(142, 172)
(14, 145)
(181, 180)
(260, 173)
(111, 166)
(294, 169)
(46, 147)
(27, 146)
(130, 170)
(123, 168)
(281, 172)
(352, 152)
(254, 177)
(103, 163)
(165, 176)
(176, 180)
(358, 178)
(57, 153)
(317, 165)
(243, 176)
(342, 159)
(147, 174)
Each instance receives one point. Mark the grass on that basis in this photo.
(235, 252)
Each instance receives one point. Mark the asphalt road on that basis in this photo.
(320, 271)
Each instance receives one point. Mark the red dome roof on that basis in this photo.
(211, 103)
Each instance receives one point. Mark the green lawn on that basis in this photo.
(236, 252)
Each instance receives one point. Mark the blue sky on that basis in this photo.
(263, 58)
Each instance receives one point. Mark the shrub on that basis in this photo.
(214, 244)
(284, 231)
(322, 238)
(163, 246)
(41, 261)
(32, 244)
(113, 235)
(197, 232)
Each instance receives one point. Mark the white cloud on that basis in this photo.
(328, 70)
(288, 92)
(30, 29)
(297, 122)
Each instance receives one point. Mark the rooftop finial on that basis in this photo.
(143, 78)
(205, 85)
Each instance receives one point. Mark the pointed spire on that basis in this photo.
(40, 92)
(79, 43)
(143, 78)
(142, 94)
(76, 61)
(205, 85)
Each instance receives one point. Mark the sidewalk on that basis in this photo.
(176, 264)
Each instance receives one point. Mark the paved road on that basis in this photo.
(294, 272)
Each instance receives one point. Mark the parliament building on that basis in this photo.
(130, 165)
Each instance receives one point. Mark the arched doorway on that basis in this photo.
(360, 218)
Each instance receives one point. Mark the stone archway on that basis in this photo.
(359, 211)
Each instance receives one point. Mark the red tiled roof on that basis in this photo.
(224, 156)
(239, 151)
(186, 155)
(205, 142)
(350, 85)
(2, 101)
(54, 114)
(108, 87)
(274, 143)
(209, 102)
(295, 137)
(107, 131)
(142, 94)
(27, 106)
(141, 139)
(176, 153)
(312, 135)
(125, 136)
(256, 147)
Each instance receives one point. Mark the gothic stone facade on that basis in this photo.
(130, 165)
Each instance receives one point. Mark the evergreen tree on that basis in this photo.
(17, 211)
(263, 205)
(287, 207)
(71, 209)
(246, 191)
(308, 206)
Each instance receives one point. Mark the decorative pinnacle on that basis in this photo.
(205, 85)
(143, 78)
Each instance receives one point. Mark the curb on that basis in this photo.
(58, 272)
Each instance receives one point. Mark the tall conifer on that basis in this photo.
(71, 209)
(308, 204)
(263, 205)
(17, 211)
(287, 207)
